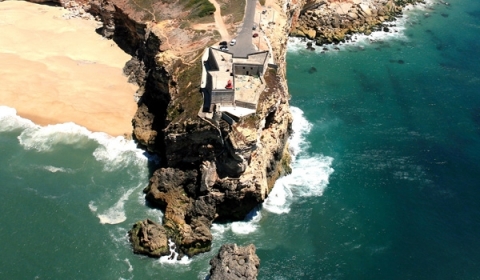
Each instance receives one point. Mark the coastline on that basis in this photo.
(56, 70)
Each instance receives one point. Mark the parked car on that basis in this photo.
(223, 48)
(233, 42)
(264, 11)
(255, 35)
(254, 27)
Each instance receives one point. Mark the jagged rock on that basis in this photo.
(210, 169)
(149, 238)
(311, 33)
(233, 262)
(142, 123)
(335, 19)
(209, 175)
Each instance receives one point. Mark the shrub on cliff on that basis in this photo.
(200, 8)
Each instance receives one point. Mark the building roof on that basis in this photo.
(253, 58)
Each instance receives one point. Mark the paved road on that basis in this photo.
(244, 44)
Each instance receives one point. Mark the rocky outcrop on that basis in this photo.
(333, 22)
(210, 170)
(233, 262)
(149, 238)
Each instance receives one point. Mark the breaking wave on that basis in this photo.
(396, 31)
(310, 173)
(113, 152)
(9, 120)
(116, 213)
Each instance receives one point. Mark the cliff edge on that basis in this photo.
(213, 167)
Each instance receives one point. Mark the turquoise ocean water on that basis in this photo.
(385, 181)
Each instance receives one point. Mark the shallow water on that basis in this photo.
(384, 182)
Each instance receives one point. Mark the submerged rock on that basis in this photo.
(233, 262)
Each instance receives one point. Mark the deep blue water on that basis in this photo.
(385, 181)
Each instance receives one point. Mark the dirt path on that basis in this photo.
(219, 22)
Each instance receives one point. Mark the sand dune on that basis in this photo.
(54, 70)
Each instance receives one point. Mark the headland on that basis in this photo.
(216, 165)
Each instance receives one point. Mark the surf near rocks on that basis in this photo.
(334, 21)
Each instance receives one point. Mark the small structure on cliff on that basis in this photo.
(232, 84)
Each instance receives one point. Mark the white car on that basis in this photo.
(233, 42)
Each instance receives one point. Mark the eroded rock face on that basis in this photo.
(332, 21)
(149, 238)
(233, 262)
(211, 170)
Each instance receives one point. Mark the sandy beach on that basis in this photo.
(54, 70)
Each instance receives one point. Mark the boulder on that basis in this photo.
(365, 9)
(149, 238)
(233, 262)
(311, 33)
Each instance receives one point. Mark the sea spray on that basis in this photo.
(310, 173)
(359, 41)
(9, 120)
(172, 257)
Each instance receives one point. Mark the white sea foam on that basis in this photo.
(54, 169)
(396, 31)
(130, 267)
(310, 173)
(116, 213)
(92, 206)
(117, 152)
(114, 152)
(301, 127)
(155, 214)
(172, 257)
(9, 120)
(249, 225)
(45, 138)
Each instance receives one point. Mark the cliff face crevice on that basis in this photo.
(211, 170)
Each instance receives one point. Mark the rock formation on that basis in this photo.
(233, 262)
(149, 238)
(210, 169)
(334, 21)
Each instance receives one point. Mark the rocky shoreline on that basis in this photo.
(328, 22)
(210, 170)
(233, 262)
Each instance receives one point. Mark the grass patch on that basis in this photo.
(189, 99)
(262, 2)
(205, 19)
(199, 8)
(235, 8)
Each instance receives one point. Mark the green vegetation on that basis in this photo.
(199, 8)
(189, 100)
(234, 7)
(262, 2)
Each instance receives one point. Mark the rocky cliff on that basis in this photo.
(335, 21)
(210, 170)
(233, 262)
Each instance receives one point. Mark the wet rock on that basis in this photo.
(312, 70)
(233, 262)
(149, 238)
